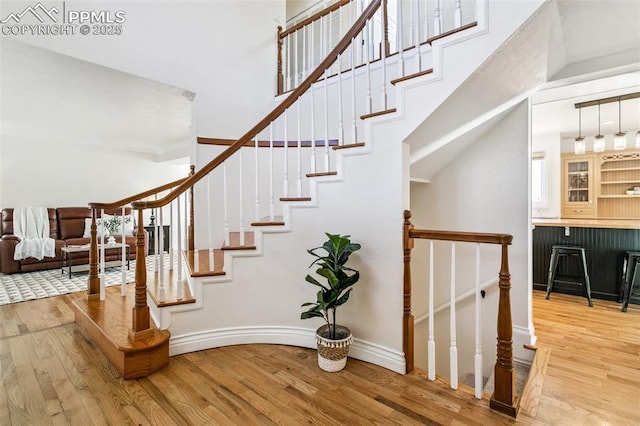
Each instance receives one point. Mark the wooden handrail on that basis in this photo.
(465, 237)
(125, 201)
(314, 17)
(344, 43)
(503, 398)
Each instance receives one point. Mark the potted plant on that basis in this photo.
(113, 224)
(333, 340)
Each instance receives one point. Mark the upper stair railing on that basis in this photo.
(404, 28)
(503, 398)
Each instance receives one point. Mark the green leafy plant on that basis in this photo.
(114, 224)
(340, 279)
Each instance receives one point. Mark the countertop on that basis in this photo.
(590, 223)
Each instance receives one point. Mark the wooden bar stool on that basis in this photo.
(569, 251)
(629, 269)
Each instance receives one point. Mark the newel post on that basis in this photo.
(280, 75)
(93, 287)
(385, 48)
(407, 316)
(140, 318)
(504, 398)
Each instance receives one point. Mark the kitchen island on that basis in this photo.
(605, 241)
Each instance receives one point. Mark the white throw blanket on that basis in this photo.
(31, 225)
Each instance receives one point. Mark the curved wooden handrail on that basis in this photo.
(314, 17)
(344, 43)
(467, 237)
(125, 201)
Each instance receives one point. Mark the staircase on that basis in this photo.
(319, 161)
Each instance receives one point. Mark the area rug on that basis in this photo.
(21, 287)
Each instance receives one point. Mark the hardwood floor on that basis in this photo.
(52, 375)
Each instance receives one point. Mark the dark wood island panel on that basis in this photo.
(605, 249)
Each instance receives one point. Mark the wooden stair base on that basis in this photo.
(533, 388)
(107, 324)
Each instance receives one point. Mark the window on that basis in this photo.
(538, 180)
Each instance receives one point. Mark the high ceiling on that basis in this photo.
(53, 97)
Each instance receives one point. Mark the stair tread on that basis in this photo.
(287, 199)
(320, 174)
(171, 296)
(266, 221)
(234, 241)
(204, 267)
(453, 31)
(348, 146)
(377, 113)
(410, 76)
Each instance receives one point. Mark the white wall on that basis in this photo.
(224, 51)
(484, 190)
(549, 144)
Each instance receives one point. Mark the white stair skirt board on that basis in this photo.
(293, 336)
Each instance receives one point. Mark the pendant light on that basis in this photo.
(598, 141)
(579, 146)
(620, 139)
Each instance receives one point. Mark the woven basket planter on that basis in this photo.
(332, 354)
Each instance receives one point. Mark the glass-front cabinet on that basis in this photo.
(577, 178)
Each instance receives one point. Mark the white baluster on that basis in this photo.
(431, 343)
(367, 101)
(257, 180)
(103, 277)
(285, 179)
(170, 236)
(383, 61)
(225, 207)
(123, 255)
(241, 195)
(312, 50)
(271, 200)
(457, 14)
(288, 62)
(326, 123)
(478, 355)
(353, 94)
(437, 21)
(304, 53)
(313, 129)
(340, 118)
(160, 238)
(425, 21)
(299, 153)
(295, 57)
(412, 19)
(209, 213)
(179, 241)
(453, 349)
(400, 38)
(417, 38)
(186, 220)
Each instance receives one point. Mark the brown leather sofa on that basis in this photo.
(66, 226)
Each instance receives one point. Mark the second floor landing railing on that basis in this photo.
(503, 398)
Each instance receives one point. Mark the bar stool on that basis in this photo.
(569, 251)
(629, 269)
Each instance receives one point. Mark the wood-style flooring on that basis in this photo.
(52, 375)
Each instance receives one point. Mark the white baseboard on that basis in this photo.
(293, 336)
